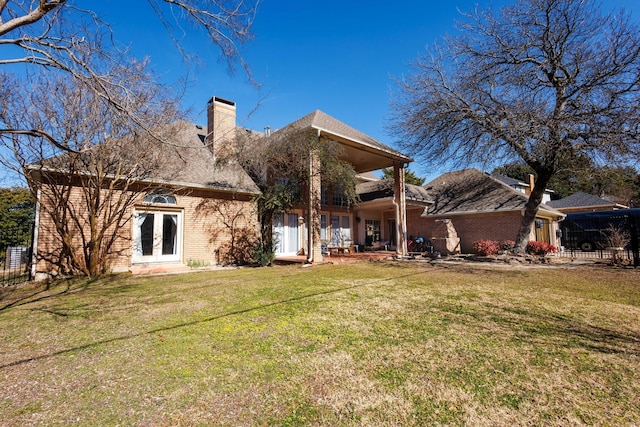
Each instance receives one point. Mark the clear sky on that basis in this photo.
(338, 56)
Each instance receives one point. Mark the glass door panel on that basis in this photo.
(169, 234)
(146, 234)
(293, 234)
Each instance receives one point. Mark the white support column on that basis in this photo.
(400, 202)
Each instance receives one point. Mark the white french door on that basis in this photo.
(340, 230)
(286, 233)
(157, 236)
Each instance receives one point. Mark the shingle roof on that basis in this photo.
(471, 190)
(183, 160)
(580, 199)
(194, 165)
(511, 182)
(383, 188)
(322, 121)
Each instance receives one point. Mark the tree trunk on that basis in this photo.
(530, 212)
(94, 264)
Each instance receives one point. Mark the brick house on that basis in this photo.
(190, 207)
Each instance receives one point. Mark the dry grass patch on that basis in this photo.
(374, 344)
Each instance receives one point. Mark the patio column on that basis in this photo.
(314, 245)
(400, 202)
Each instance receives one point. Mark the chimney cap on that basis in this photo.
(221, 100)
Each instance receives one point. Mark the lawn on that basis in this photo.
(368, 344)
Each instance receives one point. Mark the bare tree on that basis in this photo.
(230, 222)
(86, 163)
(544, 81)
(51, 32)
(61, 35)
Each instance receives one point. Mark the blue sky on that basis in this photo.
(339, 56)
(336, 56)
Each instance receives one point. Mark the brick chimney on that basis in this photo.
(221, 125)
(532, 183)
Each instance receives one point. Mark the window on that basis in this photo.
(323, 227)
(289, 186)
(340, 230)
(338, 196)
(336, 239)
(346, 228)
(286, 233)
(324, 197)
(161, 197)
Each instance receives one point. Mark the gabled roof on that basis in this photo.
(381, 189)
(582, 200)
(472, 191)
(363, 151)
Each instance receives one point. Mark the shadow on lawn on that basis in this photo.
(195, 322)
(41, 292)
(537, 325)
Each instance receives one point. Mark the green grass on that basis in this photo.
(370, 344)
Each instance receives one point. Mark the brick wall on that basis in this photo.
(213, 224)
(494, 226)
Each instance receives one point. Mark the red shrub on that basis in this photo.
(540, 248)
(485, 247)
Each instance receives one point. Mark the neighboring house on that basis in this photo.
(198, 204)
(471, 205)
(583, 202)
(524, 187)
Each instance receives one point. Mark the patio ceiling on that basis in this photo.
(364, 157)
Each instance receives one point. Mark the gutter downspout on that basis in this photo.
(34, 243)
(310, 218)
(398, 241)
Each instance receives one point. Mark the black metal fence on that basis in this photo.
(15, 257)
(602, 234)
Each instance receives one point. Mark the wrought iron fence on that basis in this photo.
(15, 257)
(602, 234)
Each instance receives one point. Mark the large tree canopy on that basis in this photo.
(88, 181)
(16, 218)
(543, 81)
